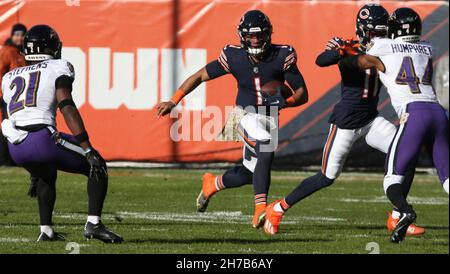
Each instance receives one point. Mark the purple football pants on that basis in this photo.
(426, 124)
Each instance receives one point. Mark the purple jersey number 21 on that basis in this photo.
(30, 97)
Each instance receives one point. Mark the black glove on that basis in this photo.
(98, 171)
(335, 43)
(33, 186)
(274, 100)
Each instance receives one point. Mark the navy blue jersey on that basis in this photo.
(359, 93)
(279, 63)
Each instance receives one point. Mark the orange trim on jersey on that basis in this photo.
(251, 143)
(328, 148)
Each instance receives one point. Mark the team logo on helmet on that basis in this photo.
(364, 14)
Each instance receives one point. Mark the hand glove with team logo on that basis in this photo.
(335, 43)
(98, 171)
(276, 100)
(344, 47)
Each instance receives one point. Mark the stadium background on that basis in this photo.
(130, 55)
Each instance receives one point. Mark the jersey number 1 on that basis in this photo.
(259, 99)
(30, 97)
(370, 84)
(407, 75)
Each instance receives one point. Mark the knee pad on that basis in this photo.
(391, 180)
(249, 158)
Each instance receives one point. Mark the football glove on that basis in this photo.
(99, 171)
(335, 43)
(276, 100)
(351, 47)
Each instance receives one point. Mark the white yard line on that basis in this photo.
(14, 240)
(219, 217)
(411, 199)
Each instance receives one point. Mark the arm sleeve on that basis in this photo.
(294, 78)
(328, 58)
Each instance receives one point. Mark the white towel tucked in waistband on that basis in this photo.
(11, 133)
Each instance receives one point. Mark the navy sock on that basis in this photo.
(308, 187)
(261, 175)
(237, 176)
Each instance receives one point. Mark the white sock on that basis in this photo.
(93, 219)
(278, 208)
(47, 230)
(445, 185)
(395, 214)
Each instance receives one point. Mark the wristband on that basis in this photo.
(176, 98)
(290, 102)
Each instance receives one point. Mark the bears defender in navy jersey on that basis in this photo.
(353, 117)
(279, 63)
(359, 91)
(255, 62)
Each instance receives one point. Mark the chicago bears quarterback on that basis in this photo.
(32, 94)
(353, 117)
(405, 65)
(253, 63)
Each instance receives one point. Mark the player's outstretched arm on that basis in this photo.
(363, 62)
(188, 85)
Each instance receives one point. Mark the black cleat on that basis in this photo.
(399, 233)
(101, 232)
(45, 238)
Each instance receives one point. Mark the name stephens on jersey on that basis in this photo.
(29, 92)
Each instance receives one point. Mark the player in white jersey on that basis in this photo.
(406, 69)
(33, 94)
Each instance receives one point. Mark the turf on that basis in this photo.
(154, 210)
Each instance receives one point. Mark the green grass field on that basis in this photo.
(154, 210)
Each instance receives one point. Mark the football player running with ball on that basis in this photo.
(255, 62)
(405, 64)
(32, 94)
(353, 117)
